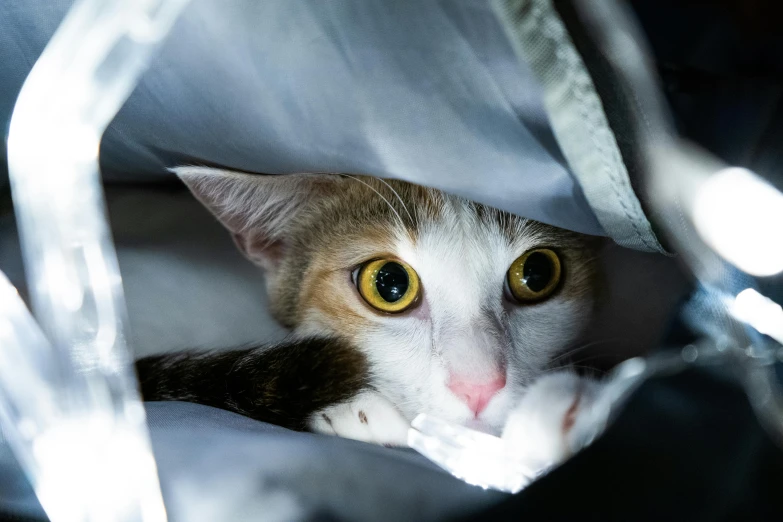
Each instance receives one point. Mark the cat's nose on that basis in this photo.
(476, 394)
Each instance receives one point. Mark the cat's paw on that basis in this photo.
(540, 430)
(368, 417)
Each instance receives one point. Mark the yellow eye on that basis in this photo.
(534, 275)
(390, 286)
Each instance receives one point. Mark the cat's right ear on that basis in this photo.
(257, 209)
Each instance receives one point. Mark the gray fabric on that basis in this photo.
(578, 120)
(427, 91)
(186, 284)
(216, 465)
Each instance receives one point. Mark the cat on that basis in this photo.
(400, 299)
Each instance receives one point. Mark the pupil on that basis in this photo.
(391, 282)
(537, 271)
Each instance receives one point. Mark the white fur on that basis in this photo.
(368, 417)
(537, 431)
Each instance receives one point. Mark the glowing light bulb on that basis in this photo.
(761, 312)
(741, 217)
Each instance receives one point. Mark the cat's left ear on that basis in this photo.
(257, 209)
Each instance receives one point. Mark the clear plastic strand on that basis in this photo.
(83, 464)
(475, 457)
(75, 420)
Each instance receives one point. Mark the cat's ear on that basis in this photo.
(257, 209)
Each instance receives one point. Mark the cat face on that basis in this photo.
(458, 307)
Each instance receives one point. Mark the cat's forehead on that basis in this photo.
(391, 214)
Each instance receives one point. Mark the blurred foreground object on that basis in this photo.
(68, 403)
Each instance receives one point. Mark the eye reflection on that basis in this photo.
(392, 281)
(388, 285)
(534, 275)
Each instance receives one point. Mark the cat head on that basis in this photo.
(458, 307)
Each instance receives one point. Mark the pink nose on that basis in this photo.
(476, 395)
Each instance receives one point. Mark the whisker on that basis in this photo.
(584, 347)
(569, 353)
(593, 357)
(404, 206)
(589, 369)
(399, 218)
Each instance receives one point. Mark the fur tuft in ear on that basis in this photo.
(257, 209)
